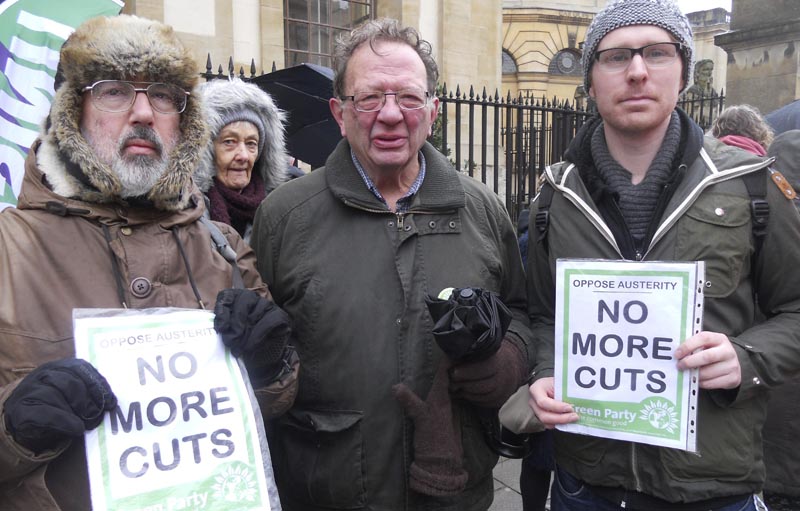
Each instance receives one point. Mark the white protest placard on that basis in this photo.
(185, 434)
(617, 326)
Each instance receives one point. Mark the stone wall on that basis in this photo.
(763, 50)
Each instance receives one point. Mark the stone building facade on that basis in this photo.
(763, 48)
(541, 46)
(465, 34)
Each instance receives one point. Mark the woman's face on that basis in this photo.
(235, 153)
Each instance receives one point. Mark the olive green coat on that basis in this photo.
(353, 277)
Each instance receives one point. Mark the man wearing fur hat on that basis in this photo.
(246, 158)
(641, 182)
(109, 217)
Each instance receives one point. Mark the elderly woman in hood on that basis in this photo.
(246, 158)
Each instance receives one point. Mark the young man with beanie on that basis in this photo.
(640, 182)
(109, 217)
(383, 420)
(246, 158)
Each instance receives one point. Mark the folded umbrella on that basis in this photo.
(470, 323)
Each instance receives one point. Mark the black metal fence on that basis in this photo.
(506, 142)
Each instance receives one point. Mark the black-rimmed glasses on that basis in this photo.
(654, 55)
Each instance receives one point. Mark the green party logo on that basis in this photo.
(235, 483)
(660, 414)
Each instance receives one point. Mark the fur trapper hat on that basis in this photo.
(624, 13)
(119, 48)
(228, 101)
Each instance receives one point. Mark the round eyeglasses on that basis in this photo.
(372, 101)
(118, 96)
(654, 55)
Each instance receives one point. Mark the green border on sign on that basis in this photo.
(591, 421)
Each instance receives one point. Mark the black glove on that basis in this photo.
(57, 401)
(490, 382)
(254, 329)
(437, 468)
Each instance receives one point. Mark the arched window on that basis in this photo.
(566, 62)
(509, 64)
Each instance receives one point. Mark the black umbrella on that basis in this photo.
(303, 92)
(469, 323)
(785, 118)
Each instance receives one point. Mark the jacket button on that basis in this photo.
(407, 228)
(719, 211)
(127, 231)
(756, 381)
(452, 224)
(141, 287)
(431, 224)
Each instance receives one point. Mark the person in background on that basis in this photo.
(782, 427)
(744, 127)
(642, 183)
(246, 158)
(109, 217)
(352, 251)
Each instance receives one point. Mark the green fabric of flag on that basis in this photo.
(31, 35)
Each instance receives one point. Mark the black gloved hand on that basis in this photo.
(57, 401)
(437, 468)
(255, 329)
(490, 382)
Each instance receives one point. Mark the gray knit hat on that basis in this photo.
(622, 13)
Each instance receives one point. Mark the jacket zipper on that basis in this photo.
(400, 217)
(636, 479)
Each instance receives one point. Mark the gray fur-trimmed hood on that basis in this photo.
(119, 48)
(222, 99)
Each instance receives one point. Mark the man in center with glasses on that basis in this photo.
(351, 251)
(641, 183)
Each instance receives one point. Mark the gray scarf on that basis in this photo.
(637, 202)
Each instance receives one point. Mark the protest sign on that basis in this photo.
(617, 326)
(186, 433)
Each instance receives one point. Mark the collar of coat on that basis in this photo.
(440, 191)
(36, 194)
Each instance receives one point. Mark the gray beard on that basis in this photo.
(138, 174)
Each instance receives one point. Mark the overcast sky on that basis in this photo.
(703, 5)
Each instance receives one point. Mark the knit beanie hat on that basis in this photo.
(623, 13)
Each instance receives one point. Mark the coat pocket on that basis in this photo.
(323, 457)
(716, 229)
